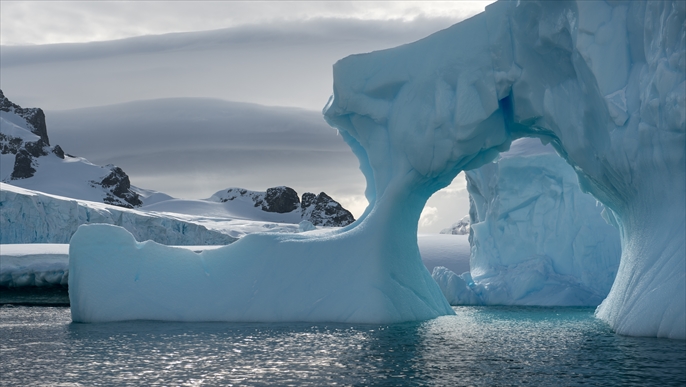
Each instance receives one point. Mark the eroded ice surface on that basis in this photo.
(536, 238)
(261, 277)
(602, 82)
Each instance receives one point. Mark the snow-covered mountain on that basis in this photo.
(36, 217)
(194, 147)
(461, 227)
(320, 210)
(28, 160)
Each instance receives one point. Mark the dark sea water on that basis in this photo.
(480, 346)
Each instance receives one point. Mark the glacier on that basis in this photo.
(29, 216)
(536, 239)
(603, 82)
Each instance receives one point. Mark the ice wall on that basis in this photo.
(36, 217)
(603, 82)
(346, 277)
(536, 239)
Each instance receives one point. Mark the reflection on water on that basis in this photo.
(478, 346)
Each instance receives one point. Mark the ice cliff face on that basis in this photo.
(29, 161)
(319, 210)
(603, 82)
(536, 239)
(34, 217)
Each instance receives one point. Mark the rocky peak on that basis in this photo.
(320, 210)
(281, 200)
(24, 135)
(118, 188)
(33, 116)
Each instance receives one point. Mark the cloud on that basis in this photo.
(278, 56)
(428, 216)
(278, 64)
(194, 147)
(46, 22)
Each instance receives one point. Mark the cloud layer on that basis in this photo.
(279, 64)
(193, 147)
(46, 22)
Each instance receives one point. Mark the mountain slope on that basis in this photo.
(27, 160)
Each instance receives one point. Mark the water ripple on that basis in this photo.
(478, 346)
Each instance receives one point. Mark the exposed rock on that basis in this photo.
(57, 150)
(281, 200)
(37, 148)
(462, 227)
(29, 148)
(119, 187)
(33, 116)
(23, 165)
(321, 210)
(9, 144)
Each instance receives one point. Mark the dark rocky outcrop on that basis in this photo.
(281, 200)
(57, 150)
(33, 116)
(277, 199)
(116, 185)
(25, 151)
(322, 210)
(23, 165)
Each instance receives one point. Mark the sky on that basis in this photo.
(86, 62)
(48, 22)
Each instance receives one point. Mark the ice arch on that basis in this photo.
(602, 81)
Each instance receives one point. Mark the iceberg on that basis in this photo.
(261, 277)
(536, 239)
(602, 82)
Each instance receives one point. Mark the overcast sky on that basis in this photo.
(276, 53)
(46, 22)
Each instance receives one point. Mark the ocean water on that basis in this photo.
(480, 346)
